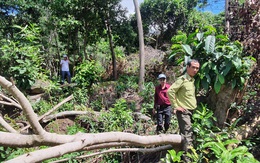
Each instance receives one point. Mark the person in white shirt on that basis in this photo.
(64, 63)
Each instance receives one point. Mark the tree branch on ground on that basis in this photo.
(142, 150)
(59, 145)
(11, 102)
(52, 110)
(66, 114)
(78, 142)
(25, 104)
(6, 125)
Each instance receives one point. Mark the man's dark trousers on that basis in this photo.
(163, 112)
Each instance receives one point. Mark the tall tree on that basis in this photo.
(141, 46)
(162, 19)
(108, 12)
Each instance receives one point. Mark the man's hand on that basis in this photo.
(180, 109)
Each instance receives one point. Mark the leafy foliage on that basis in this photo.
(63, 26)
(198, 20)
(222, 61)
(21, 58)
(126, 82)
(162, 19)
(87, 74)
(75, 129)
(172, 156)
(120, 117)
(211, 144)
(148, 97)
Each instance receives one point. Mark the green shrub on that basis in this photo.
(117, 118)
(88, 73)
(80, 96)
(172, 156)
(21, 57)
(211, 144)
(71, 130)
(148, 92)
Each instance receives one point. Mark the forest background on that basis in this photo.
(109, 100)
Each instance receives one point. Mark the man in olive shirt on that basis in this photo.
(183, 100)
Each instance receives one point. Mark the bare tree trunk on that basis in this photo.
(141, 46)
(227, 23)
(221, 102)
(109, 33)
(58, 51)
(85, 42)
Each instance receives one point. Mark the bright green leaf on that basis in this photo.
(187, 49)
(221, 78)
(242, 80)
(228, 66)
(217, 55)
(217, 86)
(20, 61)
(237, 62)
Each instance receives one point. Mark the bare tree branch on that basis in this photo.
(247, 130)
(52, 110)
(83, 140)
(106, 145)
(12, 102)
(50, 139)
(6, 125)
(142, 150)
(66, 114)
(25, 104)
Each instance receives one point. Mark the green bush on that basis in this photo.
(118, 118)
(172, 156)
(21, 57)
(126, 83)
(88, 73)
(75, 129)
(211, 144)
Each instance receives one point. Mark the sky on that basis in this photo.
(215, 6)
(129, 4)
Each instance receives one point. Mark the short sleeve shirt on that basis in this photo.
(64, 65)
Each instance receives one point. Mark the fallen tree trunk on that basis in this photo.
(81, 141)
(63, 144)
